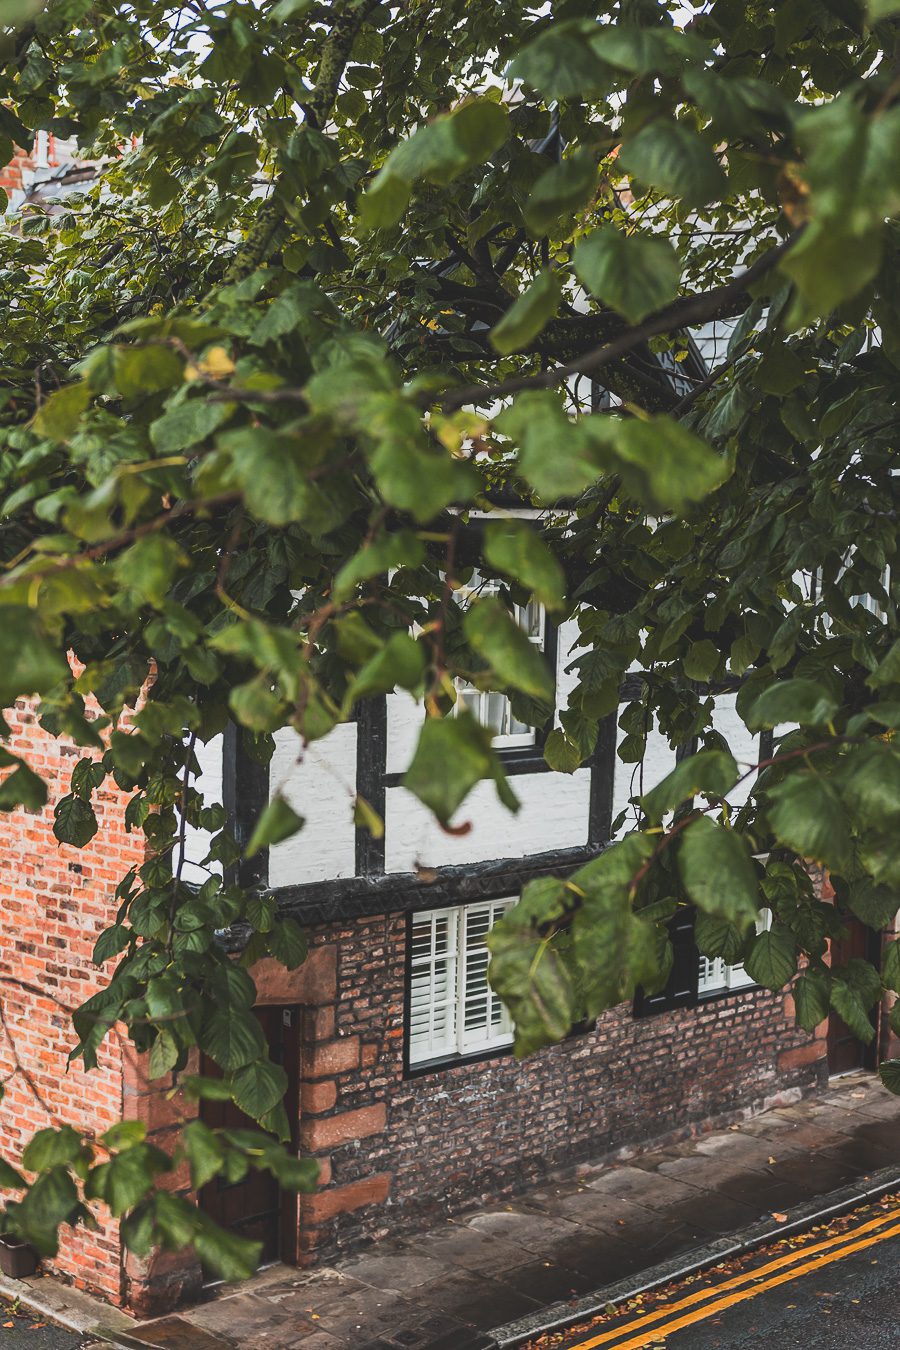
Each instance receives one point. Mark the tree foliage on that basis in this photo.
(336, 283)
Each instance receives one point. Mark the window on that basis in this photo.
(452, 1009)
(715, 975)
(492, 709)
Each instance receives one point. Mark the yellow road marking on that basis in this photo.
(757, 1274)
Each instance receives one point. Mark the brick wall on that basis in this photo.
(399, 1153)
(55, 901)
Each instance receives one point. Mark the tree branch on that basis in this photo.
(695, 309)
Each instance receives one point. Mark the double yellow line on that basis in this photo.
(718, 1298)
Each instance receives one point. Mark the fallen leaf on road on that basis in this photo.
(780, 1218)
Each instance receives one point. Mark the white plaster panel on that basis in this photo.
(320, 783)
(553, 814)
(633, 780)
(567, 650)
(744, 744)
(210, 757)
(404, 719)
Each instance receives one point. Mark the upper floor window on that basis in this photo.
(452, 1009)
(493, 709)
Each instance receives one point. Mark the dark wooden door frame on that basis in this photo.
(868, 1054)
(288, 1025)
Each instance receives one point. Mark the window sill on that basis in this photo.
(427, 1066)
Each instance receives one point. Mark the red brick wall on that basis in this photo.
(401, 1152)
(55, 901)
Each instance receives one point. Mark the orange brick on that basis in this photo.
(332, 1057)
(325, 1205)
(316, 1097)
(332, 1131)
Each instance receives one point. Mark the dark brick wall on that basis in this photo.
(478, 1131)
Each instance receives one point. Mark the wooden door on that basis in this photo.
(845, 1051)
(255, 1207)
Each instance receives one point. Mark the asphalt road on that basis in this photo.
(23, 1331)
(853, 1303)
(834, 1288)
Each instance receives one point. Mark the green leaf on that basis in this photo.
(410, 475)
(668, 156)
(660, 461)
(259, 1086)
(887, 672)
(555, 456)
(560, 753)
(29, 662)
(804, 701)
(74, 821)
(516, 548)
(287, 943)
(60, 415)
(701, 660)
(869, 783)
(806, 813)
(205, 1152)
(10, 1179)
(278, 821)
(715, 936)
(225, 1253)
(52, 1200)
(126, 1178)
(495, 635)
(528, 314)
(889, 1073)
(879, 10)
(232, 1037)
(560, 63)
(110, 943)
(850, 1005)
(811, 1000)
(437, 152)
(452, 755)
(633, 273)
(717, 872)
(389, 550)
(140, 371)
(187, 424)
(875, 905)
(531, 978)
(400, 663)
(148, 568)
(564, 188)
(52, 1148)
(736, 104)
(772, 960)
(710, 771)
(890, 966)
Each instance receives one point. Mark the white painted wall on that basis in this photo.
(553, 814)
(209, 782)
(744, 744)
(320, 784)
(633, 780)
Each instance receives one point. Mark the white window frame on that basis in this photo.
(477, 701)
(459, 989)
(716, 976)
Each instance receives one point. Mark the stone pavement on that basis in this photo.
(444, 1289)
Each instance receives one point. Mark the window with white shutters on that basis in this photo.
(452, 1009)
(716, 975)
(493, 709)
